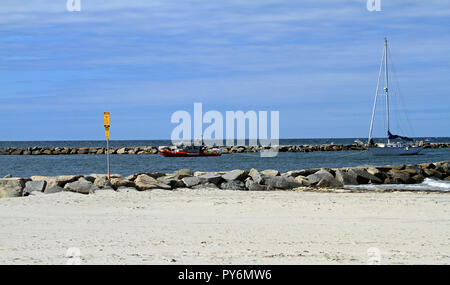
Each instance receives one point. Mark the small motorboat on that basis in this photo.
(189, 151)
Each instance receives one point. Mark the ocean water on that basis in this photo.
(52, 165)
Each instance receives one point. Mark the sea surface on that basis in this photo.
(52, 165)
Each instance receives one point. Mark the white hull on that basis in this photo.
(408, 150)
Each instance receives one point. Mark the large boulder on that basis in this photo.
(210, 178)
(81, 186)
(328, 182)
(205, 186)
(233, 185)
(54, 189)
(102, 181)
(254, 186)
(319, 175)
(302, 180)
(156, 175)
(364, 177)
(256, 176)
(56, 180)
(191, 181)
(443, 166)
(146, 182)
(376, 172)
(433, 173)
(50, 181)
(270, 172)
(301, 172)
(182, 173)
(11, 187)
(346, 178)
(400, 177)
(172, 181)
(281, 182)
(121, 182)
(236, 174)
(31, 186)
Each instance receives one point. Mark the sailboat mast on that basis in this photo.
(386, 89)
(376, 95)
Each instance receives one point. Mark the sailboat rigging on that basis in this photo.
(406, 145)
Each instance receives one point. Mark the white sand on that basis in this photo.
(226, 227)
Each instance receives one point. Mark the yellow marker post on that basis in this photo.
(107, 125)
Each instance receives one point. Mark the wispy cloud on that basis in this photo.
(139, 56)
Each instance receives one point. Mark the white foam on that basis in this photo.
(427, 184)
(437, 183)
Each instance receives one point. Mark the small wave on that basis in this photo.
(428, 184)
(437, 183)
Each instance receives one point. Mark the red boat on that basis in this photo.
(188, 151)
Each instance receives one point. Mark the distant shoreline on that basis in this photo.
(154, 149)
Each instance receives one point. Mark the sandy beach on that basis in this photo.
(226, 227)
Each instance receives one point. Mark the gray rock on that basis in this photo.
(205, 186)
(81, 186)
(301, 172)
(191, 181)
(54, 189)
(156, 175)
(236, 174)
(63, 179)
(32, 186)
(281, 182)
(11, 187)
(328, 182)
(254, 186)
(346, 178)
(121, 182)
(400, 177)
(121, 151)
(102, 182)
(182, 173)
(319, 175)
(146, 182)
(363, 177)
(433, 173)
(210, 178)
(256, 176)
(302, 180)
(270, 172)
(172, 181)
(89, 178)
(132, 177)
(7, 176)
(233, 185)
(57, 180)
(376, 172)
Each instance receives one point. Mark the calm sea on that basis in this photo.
(51, 165)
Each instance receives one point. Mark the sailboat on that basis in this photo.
(395, 144)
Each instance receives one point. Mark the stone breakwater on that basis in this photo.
(154, 150)
(253, 179)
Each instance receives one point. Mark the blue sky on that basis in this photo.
(314, 61)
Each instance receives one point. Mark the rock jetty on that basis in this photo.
(154, 149)
(246, 180)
